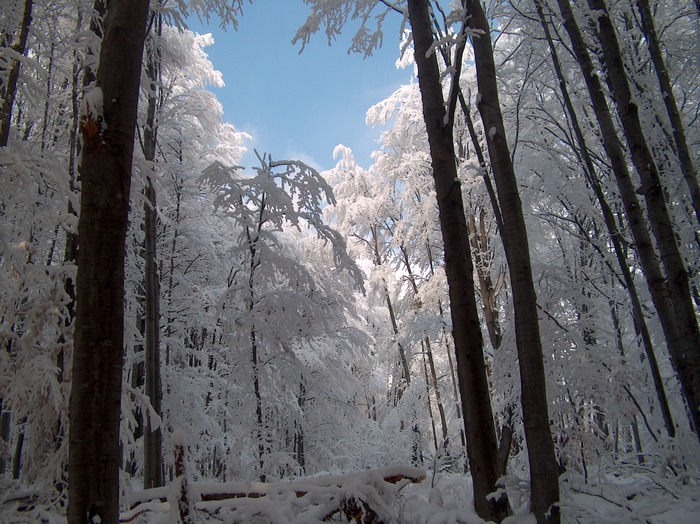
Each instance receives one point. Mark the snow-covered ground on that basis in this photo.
(634, 494)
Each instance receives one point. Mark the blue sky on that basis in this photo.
(300, 106)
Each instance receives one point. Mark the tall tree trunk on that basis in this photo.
(685, 352)
(153, 453)
(674, 115)
(448, 352)
(544, 472)
(427, 346)
(108, 131)
(633, 210)
(403, 358)
(152, 446)
(299, 440)
(479, 243)
(252, 239)
(466, 331)
(5, 428)
(430, 404)
(19, 46)
(19, 444)
(615, 233)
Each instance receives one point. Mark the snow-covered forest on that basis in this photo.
(497, 320)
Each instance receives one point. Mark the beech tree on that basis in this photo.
(679, 330)
(331, 361)
(544, 481)
(684, 350)
(108, 126)
(466, 330)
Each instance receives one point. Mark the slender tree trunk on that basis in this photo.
(108, 134)
(685, 352)
(479, 243)
(438, 394)
(674, 115)
(427, 346)
(403, 358)
(10, 88)
(19, 445)
(430, 404)
(153, 453)
(637, 440)
(5, 427)
(615, 233)
(262, 433)
(152, 446)
(299, 429)
(171, 266)
(47, 101)
(466, 331)
(258, 404)
(448, 352)
(544, 474)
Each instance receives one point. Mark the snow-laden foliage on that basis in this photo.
(304, 317)
(334, 16)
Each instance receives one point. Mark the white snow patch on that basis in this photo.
(492, 133)
(93, 105)
(179, 438)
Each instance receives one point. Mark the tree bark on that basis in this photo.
(466, 331)
(153, 452)
(674, 115)
(152, 445)
(685, 351)
(479, 243)
(615, 233)
(429, 353)
(544, 473)
(99, 326)
(8, 95)
(633, 210)
(252, 239)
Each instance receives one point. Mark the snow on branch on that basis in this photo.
(365, 496)
(334, 16)
(282, 193)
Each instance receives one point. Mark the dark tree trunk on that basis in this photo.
(615, 233)
(95, 400)
(5, 428)
(299, 442)
(152, 446)
(685, 351)
(153, 453)
(674, 115)
(544, 474)
(471, 368)
(633, 209)
(10, 88)
(252, 238)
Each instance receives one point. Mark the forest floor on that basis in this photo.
(630, 494)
